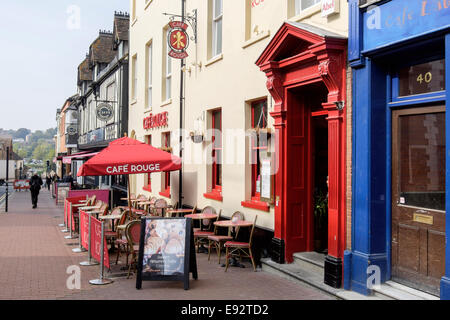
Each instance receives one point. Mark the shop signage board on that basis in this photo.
(96, 243)
(156, 121)
(105, 111)
(178, 39)
(84, 229)
(166, 251)
(62, 189)
(266, 180)
(329, 7)
(386, 23)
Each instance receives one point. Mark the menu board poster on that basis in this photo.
(166, 250)
(62, 190)
(266, 180)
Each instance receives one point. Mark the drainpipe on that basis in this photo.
(180, 183)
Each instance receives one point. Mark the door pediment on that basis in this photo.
(293, 39)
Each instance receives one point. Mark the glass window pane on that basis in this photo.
(422, 160)
(217, 8)
(219, 37)
(168, 88)
(422, 78)
(309, 3)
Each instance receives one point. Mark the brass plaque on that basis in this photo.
(422, 218)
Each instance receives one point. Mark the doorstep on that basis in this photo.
(308, 268)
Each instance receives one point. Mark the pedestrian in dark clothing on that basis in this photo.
(48, 180)
(35, 186)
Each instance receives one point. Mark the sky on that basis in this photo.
(41, 45)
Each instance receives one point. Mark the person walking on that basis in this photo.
(35, 186)
(48, 180)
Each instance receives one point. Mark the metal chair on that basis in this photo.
(218, 241)
(133, 233)
(201, 236)
(244, 249)
(160, 207)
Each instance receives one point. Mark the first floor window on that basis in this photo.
(301, 5)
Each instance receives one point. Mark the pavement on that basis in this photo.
(37, 263)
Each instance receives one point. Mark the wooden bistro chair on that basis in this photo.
(133, 233)
(217, 241)
(201, 236)
(160, 207)
(244, 249)
(110, 232)
(120, 241)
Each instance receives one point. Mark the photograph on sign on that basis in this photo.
(166, 251)
(164, 247)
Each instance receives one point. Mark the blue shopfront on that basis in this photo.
(399, 54)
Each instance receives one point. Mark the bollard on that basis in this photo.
(102, 280)
(89, 262)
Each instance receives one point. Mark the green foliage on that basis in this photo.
(40, 145)
(320, 208)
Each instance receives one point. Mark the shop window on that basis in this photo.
(166, 175)
(148, 179)
(217, 153)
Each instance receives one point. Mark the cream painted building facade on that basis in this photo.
(220, 74)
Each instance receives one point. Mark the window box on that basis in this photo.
(255, 204)
(215, 194)
(165, 193)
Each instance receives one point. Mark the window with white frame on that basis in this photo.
(149, 75)
(168, 77)
(301, 5)
(217, 15)
(135, 79)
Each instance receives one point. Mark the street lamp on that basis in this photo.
(7, 176)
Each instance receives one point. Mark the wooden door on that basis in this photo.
(299, 224)
(418, 197)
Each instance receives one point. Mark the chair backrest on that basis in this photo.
(124, 217)
(160, 205)
(239, 216)
(133, 232)
(218, 218)
(116, 211)
(104, 209)
(208, 209)
(251, 232)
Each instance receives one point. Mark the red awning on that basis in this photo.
(78, 156)
(129, 156)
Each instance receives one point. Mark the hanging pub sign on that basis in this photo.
(178, 39)
(166, 251)
(104, 111)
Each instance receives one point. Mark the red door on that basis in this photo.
(298, 197)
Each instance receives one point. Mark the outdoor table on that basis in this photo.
(234, 224)
(89, 208)
(182, 211)
(201, 216)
